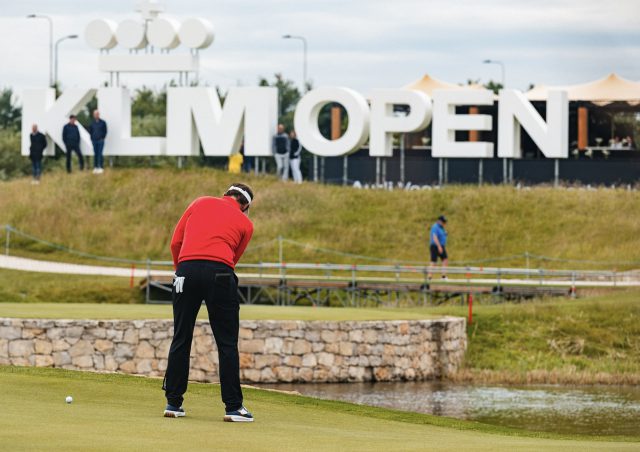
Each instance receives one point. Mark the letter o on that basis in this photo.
(306, 121)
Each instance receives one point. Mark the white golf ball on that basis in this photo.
(69, 399)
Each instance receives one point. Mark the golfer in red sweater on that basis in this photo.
(206, 245)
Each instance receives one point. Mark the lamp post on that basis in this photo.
(304, 60)
(304, 88)
(55, 72)
(40, 16)
(501, 68)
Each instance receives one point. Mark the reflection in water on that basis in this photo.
(591, 410)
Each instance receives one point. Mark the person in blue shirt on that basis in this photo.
(98, 132)
(438, 245)
(71, 139)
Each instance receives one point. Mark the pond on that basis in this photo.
(587, 410)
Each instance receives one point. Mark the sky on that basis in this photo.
(360, 44)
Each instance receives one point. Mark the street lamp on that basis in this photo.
(304, 61)
(55, 72)
(40, 16)
(501, 68)
(304, 89)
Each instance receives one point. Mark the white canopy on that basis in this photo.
(611, 88)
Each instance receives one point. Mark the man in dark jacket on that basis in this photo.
(281, 147)
(36, 150)
(98, 132)
(71, 139)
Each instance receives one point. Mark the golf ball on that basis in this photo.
(69, 399)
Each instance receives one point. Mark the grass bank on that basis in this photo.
(117, 412)
(131, 213)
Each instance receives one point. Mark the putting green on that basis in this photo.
(117, 412)
(247, 312)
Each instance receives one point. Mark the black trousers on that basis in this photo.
(217, 285)
(74, 148)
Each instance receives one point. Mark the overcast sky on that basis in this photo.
(362, 44)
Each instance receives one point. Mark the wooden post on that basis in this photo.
(473, 134)
(583, 128)
(336, 122)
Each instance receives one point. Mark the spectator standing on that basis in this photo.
(36, 151)
(98, 132)
(71, 140)
(281, 148)
(438, 245)
(294, 157)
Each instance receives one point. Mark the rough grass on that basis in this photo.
(117, 412)
(131, 213)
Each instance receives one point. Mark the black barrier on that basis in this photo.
(622, 167)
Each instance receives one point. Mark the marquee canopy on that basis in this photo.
(611, 88)
(428, 85)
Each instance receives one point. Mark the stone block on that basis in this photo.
(326, 359)
(246, 361)
(10, 332)
(273, 345)
(103, 345)
(82, 361)
(346, 348)
(123, 351)
(356, 336)
(145, 350)
(251, 375)
(81, 348)
(245, 333)
(4, 348)
(60, 345)
(61, 359)
(43, 347)
(262, 361)
(309, 360)
(252, 346)
(21, 348)
(31, 333)
(131, 337)
(293, 361)
(284, 373)
(43, 361)
(300, 347)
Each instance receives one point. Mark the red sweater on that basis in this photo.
(212, 229)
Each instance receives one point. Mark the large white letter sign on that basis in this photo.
(195, 114)
(551, 137)
(306, 121)
(446, 122)
(384, 123)
(40, 106)
(115, 108)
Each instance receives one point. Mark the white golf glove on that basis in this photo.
(178, 283)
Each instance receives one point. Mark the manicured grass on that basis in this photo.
(247, 312)
(131, 213)
(117, 412)
(32, 287)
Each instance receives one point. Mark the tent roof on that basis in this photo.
(611, 88)
(428, 84)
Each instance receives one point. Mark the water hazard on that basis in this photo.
(588, 410)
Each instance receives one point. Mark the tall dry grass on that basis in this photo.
(131, 213)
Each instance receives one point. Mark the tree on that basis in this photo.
(288, 97)
(10, 112)
(493, 86)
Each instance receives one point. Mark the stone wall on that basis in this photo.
(270, 351)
